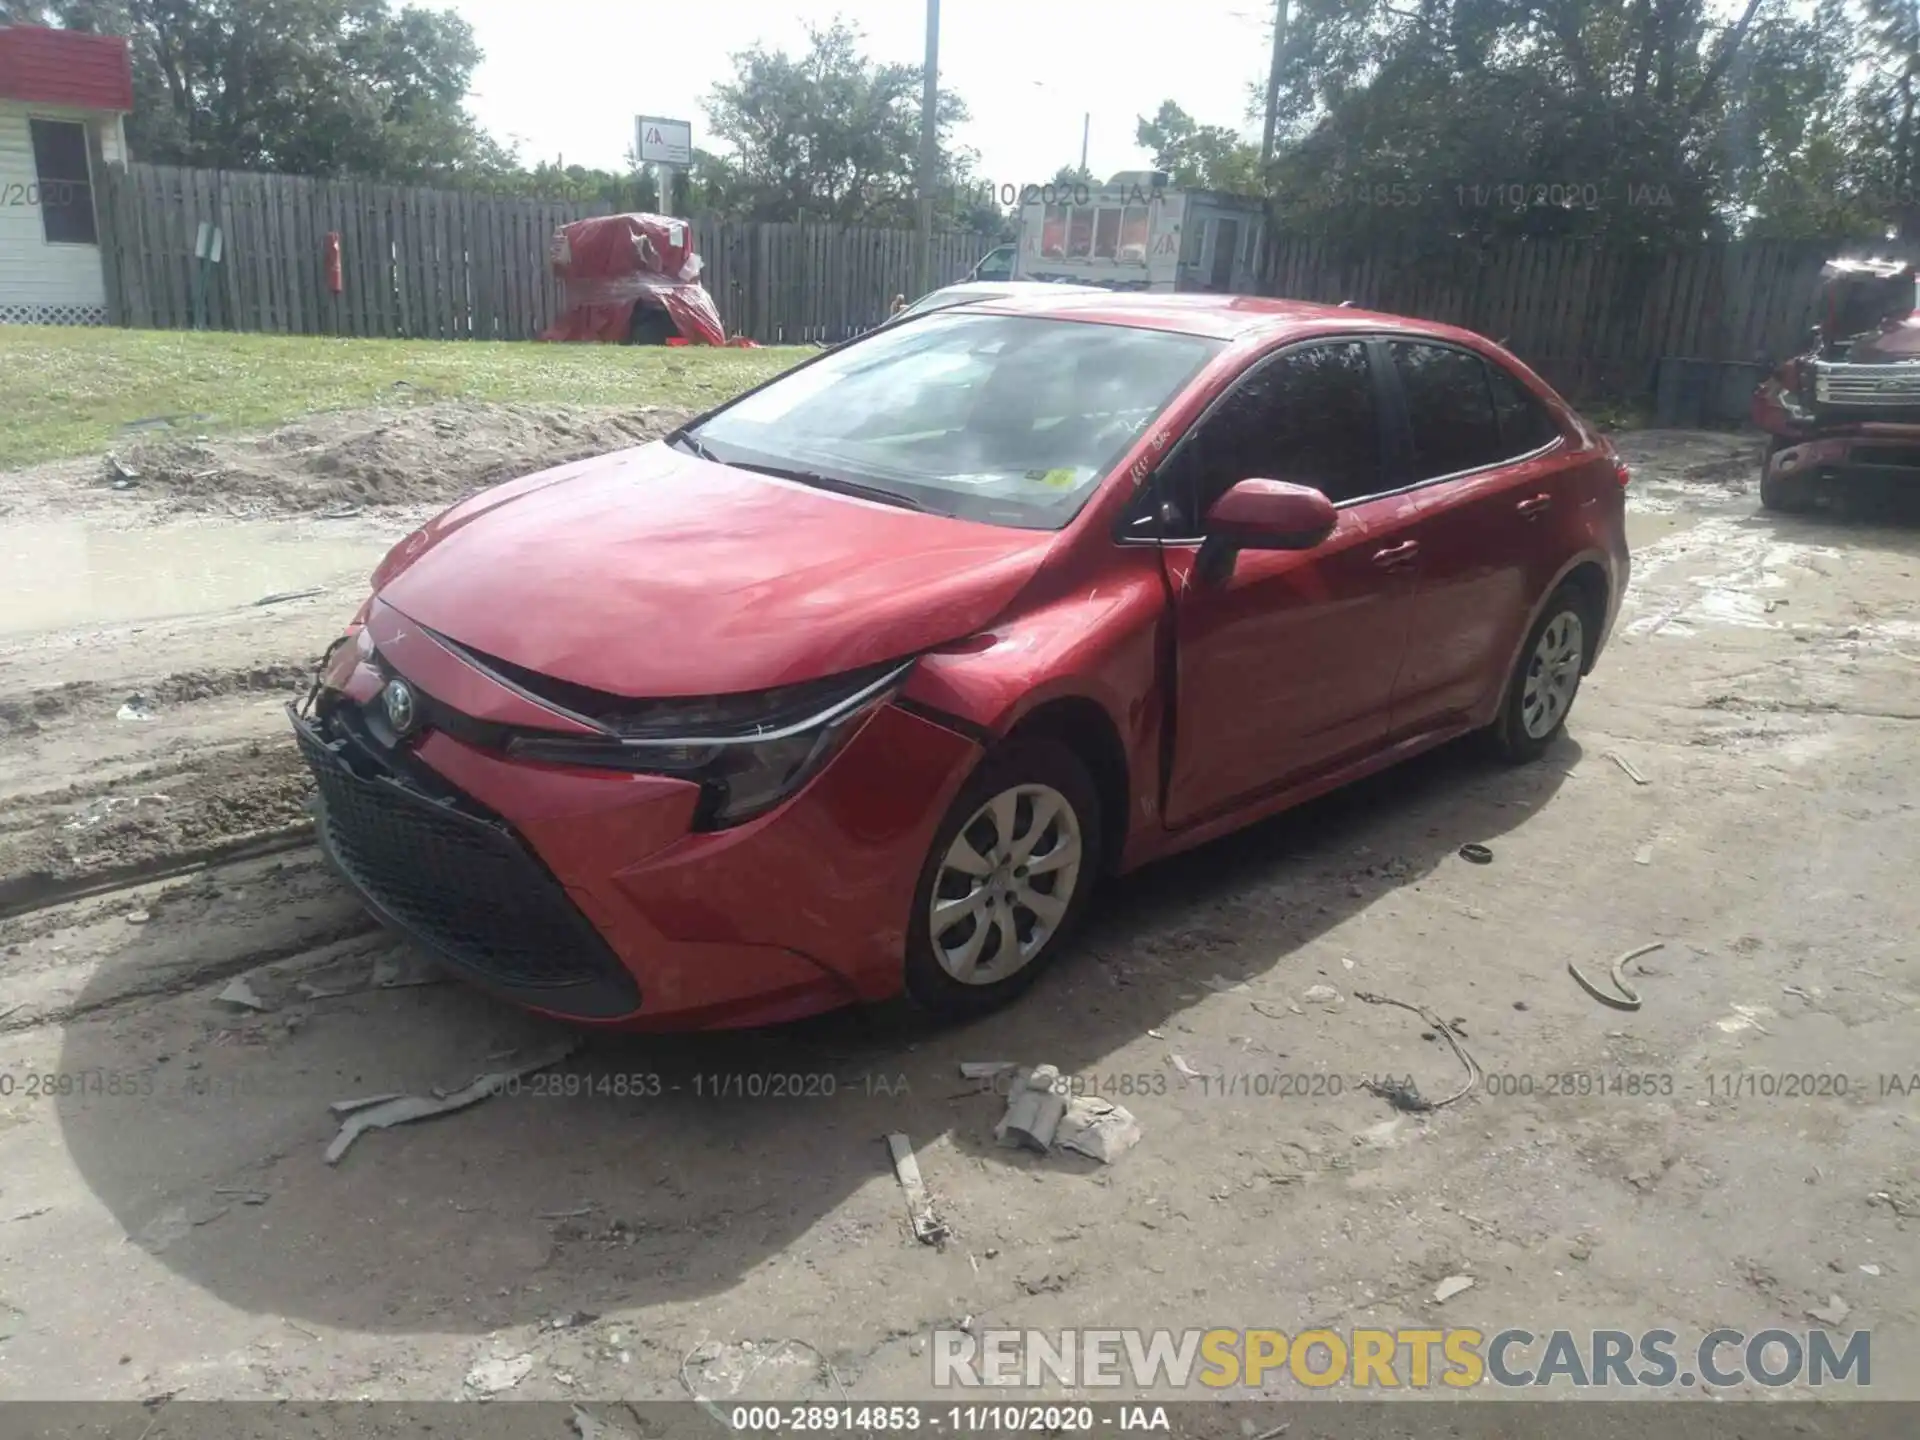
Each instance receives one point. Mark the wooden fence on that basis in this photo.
(419, 263)
(451, 265)
(786, 284)
(1591, 318)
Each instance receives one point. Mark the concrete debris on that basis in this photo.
(1034, 1110)
(1321, 995)
(591, 1427)
(409, 967)
(1097, 1129)
(1834, 1312)
(927, 1228)
(1450, 1287)
(405, 1109)
(138, 917)
(135, 708)
(1223, 985)
(491, 1377)
(572, 1320)
(240, 995)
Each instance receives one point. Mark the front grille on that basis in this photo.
(1894, 457)
(460, 881)
(1837, 384)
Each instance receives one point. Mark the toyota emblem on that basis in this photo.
(401, 712)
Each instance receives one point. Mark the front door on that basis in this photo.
(1285, 669)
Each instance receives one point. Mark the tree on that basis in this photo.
(317, 87)
(831, 135)
(1201, 157)
(1656, 121)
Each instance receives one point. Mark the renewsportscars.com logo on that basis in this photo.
(1398, 1359)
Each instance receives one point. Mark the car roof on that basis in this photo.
(1222, 317)
(1013, 287)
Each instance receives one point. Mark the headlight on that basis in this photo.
(740, 775)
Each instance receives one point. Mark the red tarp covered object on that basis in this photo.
(608, 264)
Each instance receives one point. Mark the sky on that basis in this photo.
(565, 81)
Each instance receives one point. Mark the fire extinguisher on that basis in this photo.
(330, 254)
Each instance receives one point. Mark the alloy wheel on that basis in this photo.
(1004, 884)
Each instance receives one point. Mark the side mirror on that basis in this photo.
(1264, 515)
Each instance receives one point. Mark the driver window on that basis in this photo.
(1309, 416)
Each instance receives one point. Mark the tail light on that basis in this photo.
(1621, 473)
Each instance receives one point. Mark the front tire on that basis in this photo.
(1008, 876)
(1547, 678)
(1783, 494)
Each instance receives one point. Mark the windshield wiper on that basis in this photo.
(833, 483)
(687, 442)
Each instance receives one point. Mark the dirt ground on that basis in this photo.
(173, 1228)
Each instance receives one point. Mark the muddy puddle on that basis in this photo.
(63, 573)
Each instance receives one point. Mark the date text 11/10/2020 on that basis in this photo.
(1512, 195)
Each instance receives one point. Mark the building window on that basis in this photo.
(66, 186)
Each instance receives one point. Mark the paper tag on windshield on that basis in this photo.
(1057, 479)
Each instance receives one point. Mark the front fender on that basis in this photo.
(1101, 643)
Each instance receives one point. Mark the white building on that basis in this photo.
(64, 98)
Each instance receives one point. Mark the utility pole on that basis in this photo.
(1273, 84)
(1086, 125)
(929, 148)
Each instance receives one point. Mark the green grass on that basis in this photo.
(69, 391)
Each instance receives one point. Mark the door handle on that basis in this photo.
(1395, 556)
(1535, 505)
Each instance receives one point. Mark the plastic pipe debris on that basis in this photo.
(927, 1228)
(1628, 998)
(1403, 1097)
(405, 1109)
(1034, 1110)
(1627, 769)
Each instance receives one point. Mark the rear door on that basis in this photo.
(1487, 474)
(1285, 670)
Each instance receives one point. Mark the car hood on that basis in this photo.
(1894, 344)
(651, 573)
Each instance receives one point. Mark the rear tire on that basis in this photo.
(1546, 680)
(1012, 868)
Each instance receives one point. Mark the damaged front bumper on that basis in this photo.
(1885, 453)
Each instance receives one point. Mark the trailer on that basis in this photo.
(1133, 233)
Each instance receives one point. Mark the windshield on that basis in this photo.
(1012, 420)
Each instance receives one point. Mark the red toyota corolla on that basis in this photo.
(856, 685)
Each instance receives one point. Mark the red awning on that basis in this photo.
(65, 67)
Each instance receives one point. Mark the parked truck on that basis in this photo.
(1133, 233)
(1846, 411)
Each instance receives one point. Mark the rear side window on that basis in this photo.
(1449, 408)
(1525, 425)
